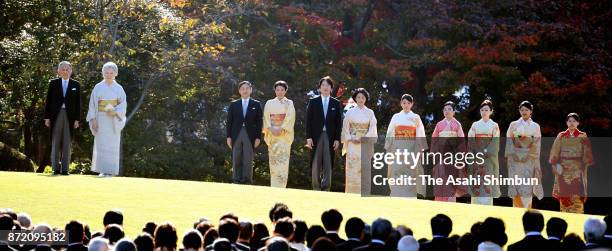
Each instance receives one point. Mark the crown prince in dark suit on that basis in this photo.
(244, 125)
(62, 114)
(323, 128)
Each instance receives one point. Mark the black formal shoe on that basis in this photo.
(64, 173)
(56, 173)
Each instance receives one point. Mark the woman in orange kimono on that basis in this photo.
(523, 156)
(483, 137)
(570, 157)
(406, 133)
(448, 137)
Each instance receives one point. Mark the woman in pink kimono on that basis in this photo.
(448, 137)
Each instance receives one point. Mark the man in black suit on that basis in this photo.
(62, 114)
(441, 227)
(244, 123)
(533, 224)
(381, 229)
(555, 230)
(76, 233)
(323, 128)
(332, 219)
(594, 231)
(354, 229)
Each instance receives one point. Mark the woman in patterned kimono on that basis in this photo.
(106, 117)
(523, 154)
(406, 132)
(570, 157)
(483, 137)
(448, 137)
(358, 136)
(279, 118)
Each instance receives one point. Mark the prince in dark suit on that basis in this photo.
(323, 128)
(62, 114)
(244, 124)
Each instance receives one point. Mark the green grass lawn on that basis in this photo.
(58, 199)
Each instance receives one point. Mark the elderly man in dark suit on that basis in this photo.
(244, 125)
(62, 114)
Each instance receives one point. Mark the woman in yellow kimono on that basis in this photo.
(278, 119)
(483, 137)
(570, 157)
(523, 155)
(358, 136)
(406, 132)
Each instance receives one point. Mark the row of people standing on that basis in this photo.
(327, 129)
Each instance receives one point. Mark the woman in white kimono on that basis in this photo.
(106, 117)
(278, 119)
(406, 132)
(359, 133)
(523, 154)
(483, 138)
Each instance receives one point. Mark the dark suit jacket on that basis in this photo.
(554, 245)
(534, 242)
(76, 247)
(438, 244)
(372, 247)
(335, 238)
(349, 245)
(253, 121)
(607, 242)
(55, 99)
(315, 119)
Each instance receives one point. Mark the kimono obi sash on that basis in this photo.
(405, 131)
(483, 139)
(572, 149)
(447, 134)
(276, 120)
(359, 129)
(104, 103)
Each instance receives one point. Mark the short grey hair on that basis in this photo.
(64, 64)
(43, 228)
(594, 229)
(24, 220)
(408, 243)
(125, 244)
(110, 66)
(98, 244)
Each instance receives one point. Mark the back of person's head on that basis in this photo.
(24, 220)
(274, 208)
(594, 229)
(393, 239)
(113, 217)
(466, 242)
(408, 243)
(98, 244)
(149, 227)
(75, 231)
(43, 228)
(381, 228)
(246, 230)
(204, 226)
(229, 216)
(6, 222)
(280, 213)
(533, 221)
(572, 242)
(608, 220)
(441, 225)
(494, 230)
(125, 245)
(210, 237)
(10, 212)
(284, 227)
(299, 235)
(222, 244)
(260, 231)
(331, 219)
(113, 233)
(404, 230)
(354, 228)
(229, 229)
(323, 244)
(166, 236)
(556, 227)
(313, 233)
(277, 244)
(144, 242)
(192, 240)
(87, 233)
